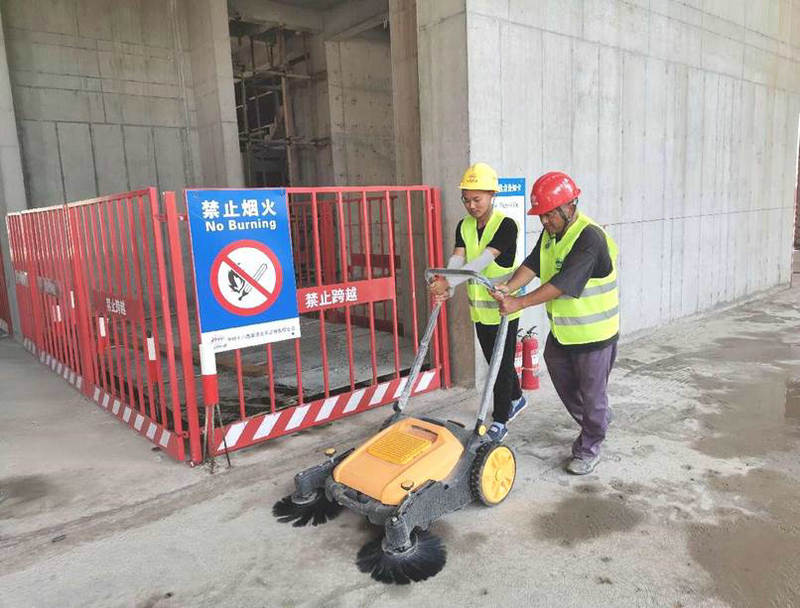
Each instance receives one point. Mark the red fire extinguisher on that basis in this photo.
(526, 360)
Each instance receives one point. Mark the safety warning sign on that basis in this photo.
(244, 270)
(246, 277)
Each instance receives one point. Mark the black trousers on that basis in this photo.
(506, 387)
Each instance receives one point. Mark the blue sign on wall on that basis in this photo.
(512, 186)
(511, 199)
(243, 267)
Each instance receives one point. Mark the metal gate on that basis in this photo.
(106, 299)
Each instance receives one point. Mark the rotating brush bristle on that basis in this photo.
(315, 510)
(423, 559)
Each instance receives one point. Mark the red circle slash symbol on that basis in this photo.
(246, 277)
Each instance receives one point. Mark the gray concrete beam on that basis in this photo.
(277, 13)
(349, 19)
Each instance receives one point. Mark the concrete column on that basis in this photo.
(12, 184)
(444, 133)
(407, 154)
(212, 74)
(405, 91)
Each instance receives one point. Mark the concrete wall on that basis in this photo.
(361, 123)
(678, 120)
(103, 96)
(112, 96)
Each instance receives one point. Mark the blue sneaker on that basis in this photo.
(497, 432)
(516, 407)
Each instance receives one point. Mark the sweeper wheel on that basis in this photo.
(493, 473)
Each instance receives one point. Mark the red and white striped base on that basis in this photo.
(67, 373)
(167, 440)
(268, 426)
(29, 346)
(145, 426)
(249, 431)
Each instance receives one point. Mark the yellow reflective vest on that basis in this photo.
(483, 308)
(594, 315)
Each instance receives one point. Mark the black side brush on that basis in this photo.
(422, 559)
(315, 509)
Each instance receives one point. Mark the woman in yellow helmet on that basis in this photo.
(486, 242)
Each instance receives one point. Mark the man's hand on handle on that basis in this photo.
(440, 289)
(508, 304)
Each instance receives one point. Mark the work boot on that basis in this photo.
(582, 466)
(516, 407)
(497, 431)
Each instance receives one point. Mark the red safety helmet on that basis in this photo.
(552, 190)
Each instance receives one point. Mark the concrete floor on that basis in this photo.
(696, 503)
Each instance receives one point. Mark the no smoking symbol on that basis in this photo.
(246, 277)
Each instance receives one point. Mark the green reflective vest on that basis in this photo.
(592, 317)
(483, 308)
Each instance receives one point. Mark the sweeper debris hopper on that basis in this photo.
(413, 471)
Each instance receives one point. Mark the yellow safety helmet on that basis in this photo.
(480, 176)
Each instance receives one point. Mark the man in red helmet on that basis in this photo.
(576, 262)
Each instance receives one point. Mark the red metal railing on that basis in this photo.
(137, 340)
(344, 217)
(104, 287)
(360, 314)
(5, 309)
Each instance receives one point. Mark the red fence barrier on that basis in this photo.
(105, 291)
(5, 309)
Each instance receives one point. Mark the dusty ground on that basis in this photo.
(697, 501)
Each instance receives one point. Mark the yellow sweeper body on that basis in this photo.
(399, 458)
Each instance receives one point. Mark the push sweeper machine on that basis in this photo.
(413, 471)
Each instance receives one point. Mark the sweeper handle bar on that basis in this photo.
(416, 366)
(497, 352)
(400, 404)
(477, 277)
(499, 342)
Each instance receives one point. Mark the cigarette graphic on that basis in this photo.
(247, 288)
